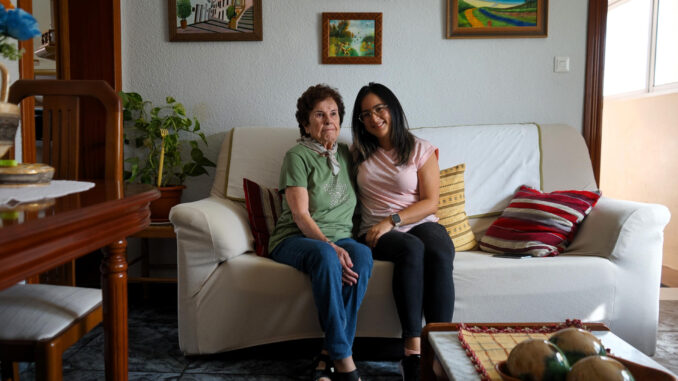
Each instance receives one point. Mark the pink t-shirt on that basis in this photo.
(385, 188)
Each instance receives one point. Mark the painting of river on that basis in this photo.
(351, 38)
(497, 18)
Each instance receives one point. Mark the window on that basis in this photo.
(666, 67)
(640, 48)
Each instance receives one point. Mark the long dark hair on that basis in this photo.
(364, 143)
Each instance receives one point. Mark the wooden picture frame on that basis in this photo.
(359, 42)
(212, 23)
(485, 19)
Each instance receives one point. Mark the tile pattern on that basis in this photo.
(154, 353)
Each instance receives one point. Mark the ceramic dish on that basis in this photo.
(26, 174)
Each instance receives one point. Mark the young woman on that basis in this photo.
(398, 185)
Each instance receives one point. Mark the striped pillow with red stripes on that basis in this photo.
(263, 209)
(537, 223)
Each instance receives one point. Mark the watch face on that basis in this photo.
(396, 219)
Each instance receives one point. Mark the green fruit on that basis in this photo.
(577, 343)
(537, 360)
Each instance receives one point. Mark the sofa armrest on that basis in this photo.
(621, 231)
(631, 236)
(209, 231)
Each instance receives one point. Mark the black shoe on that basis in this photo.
(409, 367)
(326, 368)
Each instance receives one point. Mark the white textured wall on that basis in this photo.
(439, 81)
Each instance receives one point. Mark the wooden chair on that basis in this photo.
(76, 152)
(38, 322)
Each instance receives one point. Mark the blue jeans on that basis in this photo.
(337, 304)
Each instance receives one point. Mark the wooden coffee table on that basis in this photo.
(443, 357)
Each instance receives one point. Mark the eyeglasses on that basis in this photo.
(379, 110)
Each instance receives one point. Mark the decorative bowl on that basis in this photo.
(26, 174)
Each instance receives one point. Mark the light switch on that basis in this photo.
(561, 64)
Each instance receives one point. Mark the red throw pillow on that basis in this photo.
(537, 223)
(263, 209)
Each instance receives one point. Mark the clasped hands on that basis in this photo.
(348, 276)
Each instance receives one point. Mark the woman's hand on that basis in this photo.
(384, 226)
(348, 276)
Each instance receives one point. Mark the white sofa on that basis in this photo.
(229, 298)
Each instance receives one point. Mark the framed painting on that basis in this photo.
(496, 18)
(351, 38)
(223, 20)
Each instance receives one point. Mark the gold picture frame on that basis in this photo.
(351, 38)
(497, 18)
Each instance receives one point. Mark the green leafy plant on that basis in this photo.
(184, 9)
(230, 12)
(143, 125)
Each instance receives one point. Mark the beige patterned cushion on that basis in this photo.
(451, 208)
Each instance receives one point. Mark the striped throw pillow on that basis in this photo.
(263, 209)
(451, 208)
(539, 224)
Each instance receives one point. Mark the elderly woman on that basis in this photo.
(313, 233)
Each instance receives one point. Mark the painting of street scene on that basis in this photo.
(497, 13)
(207, 19)
(351, 38)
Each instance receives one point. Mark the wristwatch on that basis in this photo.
(395, 219)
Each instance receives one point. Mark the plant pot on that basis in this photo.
(183, 23)
(169, 196)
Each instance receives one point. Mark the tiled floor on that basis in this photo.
(154, 353)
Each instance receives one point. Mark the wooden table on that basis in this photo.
(73, 226)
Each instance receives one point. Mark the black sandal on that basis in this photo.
(326, 372)
(346, 376)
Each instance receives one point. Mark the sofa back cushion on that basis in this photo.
(255, 153)
(498, 158)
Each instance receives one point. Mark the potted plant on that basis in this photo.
(155, 152)
(184, 10)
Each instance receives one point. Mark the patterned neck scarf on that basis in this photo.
(331, 154)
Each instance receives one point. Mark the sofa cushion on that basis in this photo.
(451, 210)
(263, 209)
(499, 159)
(537, 223)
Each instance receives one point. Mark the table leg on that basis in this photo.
(114, 289)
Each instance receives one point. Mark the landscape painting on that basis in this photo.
(350, 38)
(215, 20)
(496, 18)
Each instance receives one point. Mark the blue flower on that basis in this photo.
(3, 20)
(20, 24)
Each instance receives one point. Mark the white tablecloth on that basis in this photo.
(10, 196)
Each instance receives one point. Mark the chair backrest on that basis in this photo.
(63, 145)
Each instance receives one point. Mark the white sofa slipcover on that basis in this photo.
(229, 298)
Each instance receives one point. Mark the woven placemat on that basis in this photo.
(489, 345)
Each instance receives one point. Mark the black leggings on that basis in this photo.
(422, 276)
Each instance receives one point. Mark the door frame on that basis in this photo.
(593, 83)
